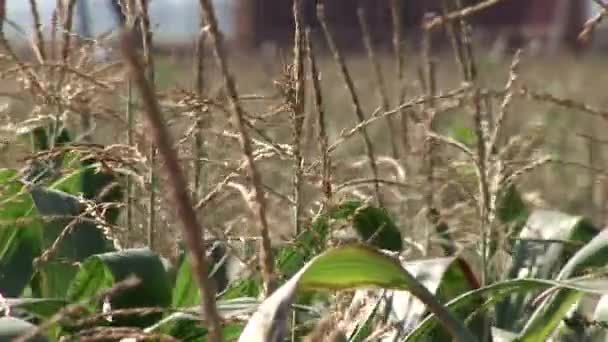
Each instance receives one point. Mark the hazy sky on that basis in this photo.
(173, 19)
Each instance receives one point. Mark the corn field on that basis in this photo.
(438, 189)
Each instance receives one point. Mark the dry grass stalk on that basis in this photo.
(464, 45)
(466, 35)
(297, 111)
(454, 94)
(120, 334)
(322, 329)
(129, 193)
(454, 143)
(128, 9)
(429, 83)
(55, 23)
(66, 47)
(259, 200)
(486, 204)
(591, 137)
(594, 22)
(380, 84)
(193, 233)
(363, 181)
(507, 99)
(592, 161)
(460, 14)
(596, 179)
(96, 318)
(321, 121)
(453, 30)
(526, 92)
(146, 33)
(511, 178)
(339, 61)
(199, 148)
(39, 39)
(54, 247)
(66, 41)
(35, 85)
(397, 22)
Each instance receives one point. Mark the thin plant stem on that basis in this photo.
(191, 228)
(429, 82)
(453, 30)
(483, 139)
(66, 40)
(339, 61)
(65, 55)
(199, 142)
(321, 121)
(130, 141)
(39, 38)
(410, 104)
(128, 9)
(506, 102)
(379, 79)
(238, 113)
(460, 14)
(298, 113)
(146, 32)
(397, 22)
(55, 17)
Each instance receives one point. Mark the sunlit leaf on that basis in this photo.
(346, 267)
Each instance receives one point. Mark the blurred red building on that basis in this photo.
(549, 21)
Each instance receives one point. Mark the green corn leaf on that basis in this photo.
(102, 271)
(554, 308)
(494, 293)
(42, 308)
(346, 267)
(20, 235)
(67, 245)
(547, 241)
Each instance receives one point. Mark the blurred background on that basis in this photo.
(549, 24)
